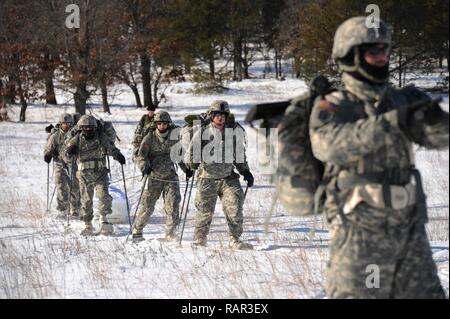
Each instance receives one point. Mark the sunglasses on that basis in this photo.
(375, 49)
(218, 113)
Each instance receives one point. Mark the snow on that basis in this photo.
(40, 258)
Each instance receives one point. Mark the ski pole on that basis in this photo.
(70, 189)
(48, 183)
(51, 200)
(245, 193)
(137, 206)
(184, 198)
(187, 208)
(126, 197)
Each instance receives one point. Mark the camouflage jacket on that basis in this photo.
(92, 152)
(145, 124)
(356, 130)
(156, 150)
(55, 145)
(216, 154)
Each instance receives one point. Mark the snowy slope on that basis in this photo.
(39, 259)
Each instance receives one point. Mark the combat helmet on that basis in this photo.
(353, 35)
(220, 107)
(87, 121)
(162, 116)
(65, 118)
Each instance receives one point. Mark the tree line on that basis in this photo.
(145, 44)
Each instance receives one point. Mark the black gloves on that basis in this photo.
(47, 158)
(189, 173)
(249, 178)
(49, 128)
(72, 150)
(147, 170)
(120, 158)
(433, 114)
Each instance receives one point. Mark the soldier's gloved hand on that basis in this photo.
(189, 173)
(120, 158)
(249, 178)
(49, 128)
(410, 121)
(72, 150)
(433, 114)
(147, 170)
(47, 158)
(193, 166)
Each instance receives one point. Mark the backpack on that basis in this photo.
(187, 131)
(107, 128)
(299, 175)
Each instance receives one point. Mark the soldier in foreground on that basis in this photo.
(67, 190)
(364, 134)
(216, 177)
(89, 147)
(154, 159)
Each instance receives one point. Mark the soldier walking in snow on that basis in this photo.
(63, 175)
(216, 177)
(89, 147)
(154, 159)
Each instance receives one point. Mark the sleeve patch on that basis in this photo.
(327, 106)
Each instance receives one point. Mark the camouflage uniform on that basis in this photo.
(377, 214)
(66, 194)
(218, 179)
(155, 153)
(90, 153)
(146, 123)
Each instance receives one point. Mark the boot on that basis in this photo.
(200, 241)
(88, 230)
(236, 243)
(62, 214)
(171, 235)
(106, 229)
(137, 237)
(75, 214)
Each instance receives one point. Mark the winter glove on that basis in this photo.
(193, 166)
(147, 170)
(189, 173)
(249, 178)
(49, 128)
(47, 158)
(433, 114)
(120, 158)
(72, 150)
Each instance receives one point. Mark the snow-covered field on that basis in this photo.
(39, 259)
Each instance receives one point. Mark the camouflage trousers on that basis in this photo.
(98, 181)
(230, 192)
(170, 192)
(383, 261)
(66, 194)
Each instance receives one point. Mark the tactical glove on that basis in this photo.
(433, 114)
(72, 150)
(47, 158)
(120, 158)
(249, 178)
(49, 128)
(147, 170)
(189, 173)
